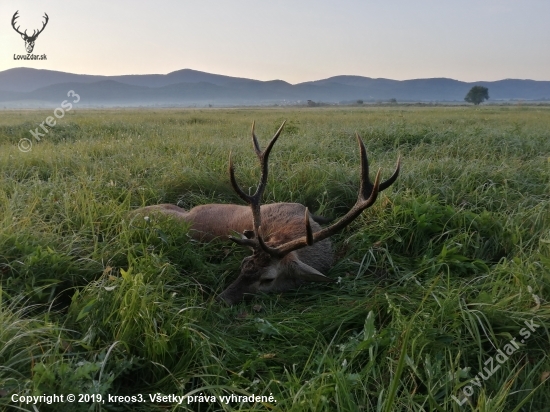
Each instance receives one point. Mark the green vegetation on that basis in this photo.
(442, 272)
(477, 95)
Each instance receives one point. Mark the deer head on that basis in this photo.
(29, 40)
(277, 261)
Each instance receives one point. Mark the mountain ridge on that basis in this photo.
(28, 86)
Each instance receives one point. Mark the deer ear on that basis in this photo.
(306, 273)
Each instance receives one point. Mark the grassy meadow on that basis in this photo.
(440, 280)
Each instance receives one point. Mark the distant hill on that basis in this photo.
(24, 79)
(25, 87)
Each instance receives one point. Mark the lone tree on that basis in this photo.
(477, 95)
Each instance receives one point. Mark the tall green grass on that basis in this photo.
(436, 277)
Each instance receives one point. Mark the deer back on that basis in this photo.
(282, 222)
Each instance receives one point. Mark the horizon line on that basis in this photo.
(248, 78)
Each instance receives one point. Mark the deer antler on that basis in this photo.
(255, 200)
(15, 17)
(368, 193)
(43, 26)
(34, 34)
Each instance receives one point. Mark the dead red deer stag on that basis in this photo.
(288, 245)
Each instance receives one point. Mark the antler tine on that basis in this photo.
(234, 183)
(393, 177)
(366, 184)
(257, 148)
(273, 139)
(244, 241)
(263, 156)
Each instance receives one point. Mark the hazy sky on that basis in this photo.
(292, 40)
